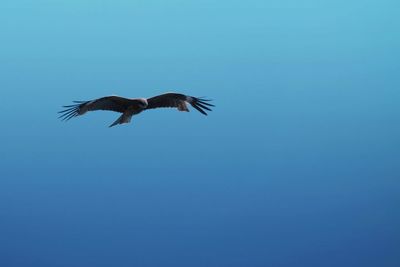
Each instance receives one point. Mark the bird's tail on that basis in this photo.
(124, 118)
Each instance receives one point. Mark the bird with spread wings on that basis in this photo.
(129, 107)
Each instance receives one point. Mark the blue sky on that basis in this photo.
(298, 165)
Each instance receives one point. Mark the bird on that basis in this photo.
(133, 106)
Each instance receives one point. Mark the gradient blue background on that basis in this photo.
(297, 166)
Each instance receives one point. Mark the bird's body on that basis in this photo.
(133, 106)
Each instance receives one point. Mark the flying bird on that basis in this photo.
(133, 106)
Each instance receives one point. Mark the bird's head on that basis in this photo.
(143, 103)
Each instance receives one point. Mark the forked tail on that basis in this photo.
(124, 118)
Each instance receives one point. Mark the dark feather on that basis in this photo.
(173, 100)
(199, 109)
(203, 106)
(112, 103)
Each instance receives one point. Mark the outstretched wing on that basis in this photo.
(112, 103)
(174, 100)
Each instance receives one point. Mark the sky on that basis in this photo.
(298, 164)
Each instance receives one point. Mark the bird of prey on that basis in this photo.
(133, 106)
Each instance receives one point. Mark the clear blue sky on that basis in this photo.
(299, 164)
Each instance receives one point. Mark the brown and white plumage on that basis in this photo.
(129, 107)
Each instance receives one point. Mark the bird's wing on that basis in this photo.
(174, 100)
(112, 103)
